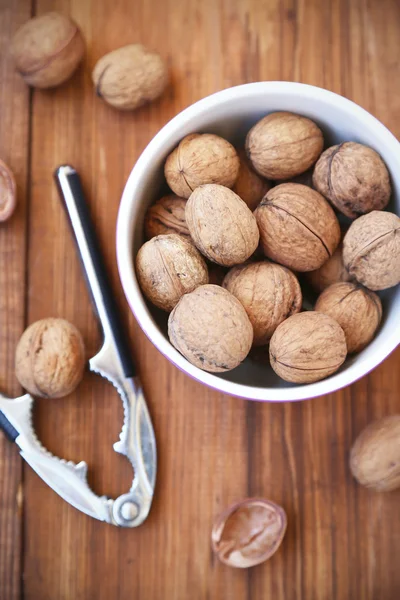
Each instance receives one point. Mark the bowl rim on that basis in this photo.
(124, 235)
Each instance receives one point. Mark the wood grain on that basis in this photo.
(14, 150)
(342, 541)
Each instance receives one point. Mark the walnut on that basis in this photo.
(249, 532)
(307, 347)
(357, 310)
(375, 455)
(221, 225)
(168, 266)
(332, 271)
(354, 178)
(283, 145)
(167, 215)
(297, 226)
(249, 186)
(269, 293)
(371, 250)
(47, 49)
(199, 159)
(8, 198)
(130, 77)
(211, 329)
(50, 358)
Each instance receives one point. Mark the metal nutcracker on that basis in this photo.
(113, 361)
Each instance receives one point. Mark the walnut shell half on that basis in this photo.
(354, 178)
(249, 532)
(371, 250)
(221, 225)
(211, 329)
(47, 49)
(283, 145)
(166, 216)
(200, 159)
(307, 347)
(298, 228)
(130, 77)
(50, 358)
(269, 293)
(357, 310)
(375, 455)
(168, 266)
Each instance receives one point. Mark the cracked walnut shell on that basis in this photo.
(307, 347)
(221, 225)
(354, 178)
(50, 358)
(167, 215)
(269, 293)
(357, 310)
(167, 267)
(375, 455)
(211, 329)
(298, 228)
(47, 49)
(249, 532)
(130, 77)
(283, 145)
(371, 250)
(200, 159)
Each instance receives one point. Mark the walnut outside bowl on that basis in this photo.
(231, 113)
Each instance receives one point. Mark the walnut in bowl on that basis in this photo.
(297, 226)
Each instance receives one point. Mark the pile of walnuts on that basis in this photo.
(263, 217)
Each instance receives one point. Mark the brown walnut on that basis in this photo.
(371, 250)
(375, 455)
(297, 226)
(307, 347)
(249, 186)
(269, 293)
(8, 197)
(211, 329)
(283, 145)
(168, 266)
(332, 271)
(167, 215)
(357, 310)
(200, 159)
(354, 178)
(47, 49)
(50, 358)
(249, 532)
(221, 225)
(130, 77)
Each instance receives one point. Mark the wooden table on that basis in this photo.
(343, 542)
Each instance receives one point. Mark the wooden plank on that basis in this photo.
(14, 150)
(341, 540)
(70, 124)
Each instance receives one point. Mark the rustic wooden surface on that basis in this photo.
(342, 541)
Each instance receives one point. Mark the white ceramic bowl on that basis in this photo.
(231, 113)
